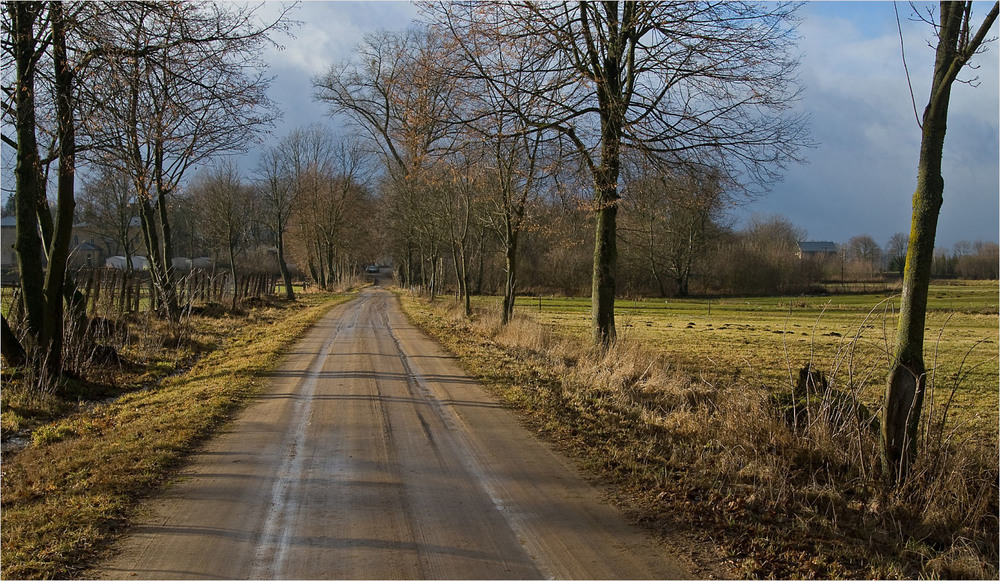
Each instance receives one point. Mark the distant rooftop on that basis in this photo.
(817, 247)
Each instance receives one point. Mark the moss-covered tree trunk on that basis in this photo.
(286, 276)
(29, 185)
(606, 200)
(906, 383)
(59, 244)
(605, 258)
(510, 278)
(42, 256)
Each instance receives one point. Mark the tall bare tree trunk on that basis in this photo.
(461, 261)
(605, 265)
(286, 276)
(606, 206)
(29, 187)
(167, 285)
(904, 392)
(232, 269)
(510, 278)
(55, 276)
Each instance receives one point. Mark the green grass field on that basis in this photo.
(767, 340)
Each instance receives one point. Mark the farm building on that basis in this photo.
(8, 234)
(816, 250)
(85, 248)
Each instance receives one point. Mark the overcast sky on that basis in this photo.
(860, 177)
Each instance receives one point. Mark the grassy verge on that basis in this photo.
(768, 339)
(76, 484)
(785, 490)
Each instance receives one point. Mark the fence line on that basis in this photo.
(114, 291)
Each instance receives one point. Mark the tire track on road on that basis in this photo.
(272, 546)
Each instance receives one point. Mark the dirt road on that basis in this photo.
(373, 455)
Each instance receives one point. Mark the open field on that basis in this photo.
(767, 340)
(691, 421)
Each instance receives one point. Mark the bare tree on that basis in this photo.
(674, 217)
(225, 209)
(328, 177)
(762, 258)
(397, 91)
(108, 204)
(276, 187)
(865, 253)
(458, 201)
(684, 80)
(22, 36)
(518, 167)
(35, 37)
(895, 252)
(981, 263)
(513, 161)
(186, 83)
(958, 41)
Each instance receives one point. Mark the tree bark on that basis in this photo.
(606, 202)
(59, 245)
(608, 76)
(605, 263)
(906, 383)
(286, 276)
(232, 269)
(147, 220)
(462, 271)
(10, 347)
(29, 185)
(510, 284)
(166, 282)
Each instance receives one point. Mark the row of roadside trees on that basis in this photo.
(145, 89)
(685, 104)
(651, 118)
(305, 209)
(491, 107)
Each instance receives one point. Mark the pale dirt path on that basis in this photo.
(373, 455)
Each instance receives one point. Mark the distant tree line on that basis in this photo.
(968, 260)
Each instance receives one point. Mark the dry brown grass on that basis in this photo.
(89, 463)
(788, 487)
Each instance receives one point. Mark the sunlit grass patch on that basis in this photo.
(768, 339)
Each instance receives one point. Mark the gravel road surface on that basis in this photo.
(373, 455)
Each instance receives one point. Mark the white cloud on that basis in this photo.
(329, 31)
(861, 177)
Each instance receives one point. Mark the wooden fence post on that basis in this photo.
(89, 290)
